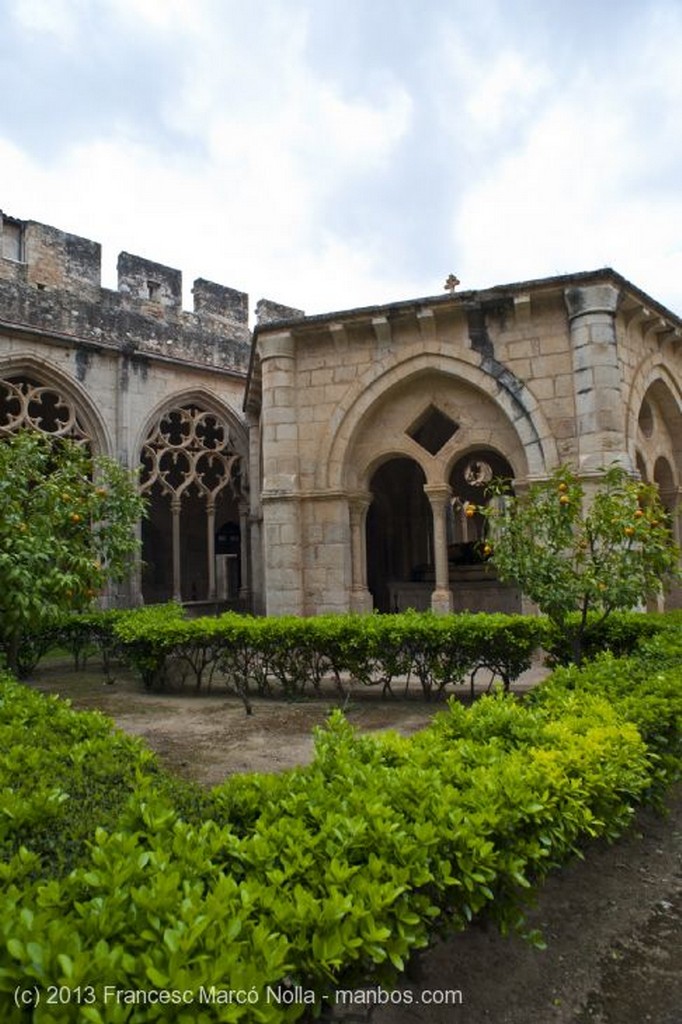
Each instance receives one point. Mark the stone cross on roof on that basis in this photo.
(451, 283)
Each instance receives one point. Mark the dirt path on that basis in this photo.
(612, 925)
(208, 736)
(612, 922)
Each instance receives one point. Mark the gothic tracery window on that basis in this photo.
(193, 474)
(25, 403)
(189, 447)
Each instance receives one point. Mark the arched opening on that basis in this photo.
(28, 404)
(470, 478)
(399, 533)
(641, 467)
(659, 448)
(665, 481)
(473, 584)
(191, 541)
(664, 478)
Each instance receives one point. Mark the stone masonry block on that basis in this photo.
(602, 332)
(286, 432)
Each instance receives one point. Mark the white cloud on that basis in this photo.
(503, 91)
(228, 148)
(175, 15)
(56, 18)
(593, 180)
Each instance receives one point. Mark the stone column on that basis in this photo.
(255, 553)
(244, 587)
(439, 496)
(134, 586)
(600, 409)
(283, 578)
(360, 597)
(176, 504)
(123, 401)
(210, 546)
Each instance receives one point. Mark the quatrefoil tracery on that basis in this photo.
(190, 446)
(26, 404)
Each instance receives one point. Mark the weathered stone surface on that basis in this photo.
(582, 369)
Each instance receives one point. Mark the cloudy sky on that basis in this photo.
(335, 153)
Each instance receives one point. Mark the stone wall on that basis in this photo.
(582, 369)
(541, 373)
(55, 288)
(121, 359)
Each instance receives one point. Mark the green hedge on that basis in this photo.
(65, 774)
(621, 633)
(646, 689)
(327, 875)
(294, 655)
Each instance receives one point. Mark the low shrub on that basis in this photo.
(327, 875)
(621, 633)
(645, 689)
(256, 655)
(63, 775)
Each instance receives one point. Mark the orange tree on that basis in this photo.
(66, 529)
(580, 557)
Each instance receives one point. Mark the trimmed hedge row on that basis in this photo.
(252, 655)
(295, 655)
(64, 774)
(621, 633)
(332, 874)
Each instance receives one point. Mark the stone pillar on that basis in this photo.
(283, 577)
(176, 505)
(360, 597)
(123, 402)
(600, 408)
(440, 496)
(256, 595)
(210, 546)
(244, 587)
(132, 592)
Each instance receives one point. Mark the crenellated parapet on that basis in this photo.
(50, 283)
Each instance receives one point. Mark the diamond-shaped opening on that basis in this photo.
(432, 430)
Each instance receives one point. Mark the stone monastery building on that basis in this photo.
(321, 463)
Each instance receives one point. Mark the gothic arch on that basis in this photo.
(194, 470)
(390, 454)
(470, 419)
(39, 396)
(520, 410)
(654, 382)
(473, 449)
(208, 401)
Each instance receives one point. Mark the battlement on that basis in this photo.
(51, 280)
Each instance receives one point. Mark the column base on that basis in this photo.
(361, 602)
(441, 602)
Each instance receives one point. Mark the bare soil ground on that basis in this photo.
(612, 921)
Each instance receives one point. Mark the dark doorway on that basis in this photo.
(399, 530)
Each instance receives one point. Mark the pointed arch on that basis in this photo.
(205, 399)
(654, 410)
(193, 453)
(516, 405)
(45, 398)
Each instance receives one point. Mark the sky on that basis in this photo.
(328, 154)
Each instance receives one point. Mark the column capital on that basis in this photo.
(279, 345)
(590, 299)
(438, 492)
(360, 500)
